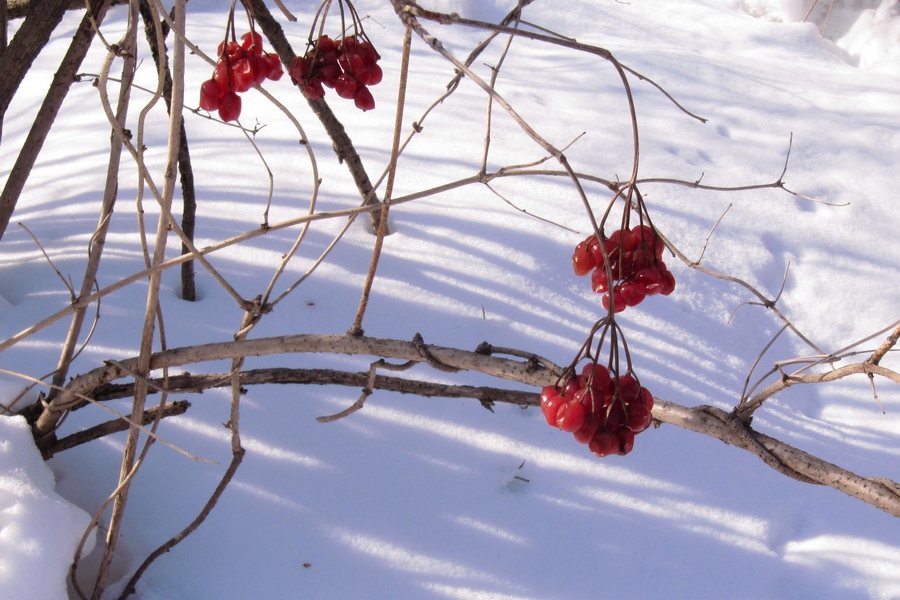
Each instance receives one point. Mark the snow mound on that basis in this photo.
(39, 530)
(874, 39)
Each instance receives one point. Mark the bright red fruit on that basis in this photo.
(626, 440)
(244, 75)
(582, 259)
(604, 443)
(210, 94)
(617, 299)
(629, 388)
(651, 279)
(313, 89)
(632, 293)
(597, 375)
(639, 418)
(616, 416)
(599, 280)
(646, 398)
(274, 71)
(230, 107)
(299, 69)
(571, 416)
(668, 285)
(364, 99)
(586, 432)
(230, 49)
(252, 41)
(346, 86)
(550, 408)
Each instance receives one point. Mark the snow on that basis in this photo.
(436, 498)
(39, 530)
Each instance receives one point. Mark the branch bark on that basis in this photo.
(706, 420)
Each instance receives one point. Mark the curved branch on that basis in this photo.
(727, 427)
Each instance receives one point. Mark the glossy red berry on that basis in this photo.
(639, 417)
(210, 95)
(230, 107)
(604, 443)
(582, 259)
(570, 416)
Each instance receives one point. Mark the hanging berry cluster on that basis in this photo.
(601, 410)
(634, 257)
(604, 405)
(347, 64)
(241, 66)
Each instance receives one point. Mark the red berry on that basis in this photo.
(645, 236)
(596, 249)
(633, 293)
(616, 416)
(550, 408)
(582, 259)
(597, 375)
(625, 238)
(586, 432)
(351, 63)
(210, 95)
(313, 89)
(230, 107)
(349, 44)
(617, 299)
(224, 76)
(252, 41)
(329, 74)
(626, 440)
(363, 99)
(646, 398)
(571, 416)
(346, 86)
(639, 417)
(367, 52)
(230, 49)
(370, 74)
(326, 44)
(628, 387)
(651, 279)
(274, 71)
(668, 285)
(571, 388)
(299, 69)
(604, 443)
(244, 75)
(599, 280)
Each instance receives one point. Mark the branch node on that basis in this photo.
(423, 351)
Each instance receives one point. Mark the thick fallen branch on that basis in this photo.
(706, 420)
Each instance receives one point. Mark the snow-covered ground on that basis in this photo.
(431, 498)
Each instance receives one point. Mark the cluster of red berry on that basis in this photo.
(348, 66)
(600, 410)
(635, 262)
(241, 66)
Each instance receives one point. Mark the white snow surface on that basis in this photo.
(435, 498)
(39, 530)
